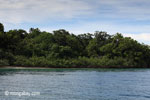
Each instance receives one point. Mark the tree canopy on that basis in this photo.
(63, 49)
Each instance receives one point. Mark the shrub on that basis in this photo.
(4, 62)
(20, 61)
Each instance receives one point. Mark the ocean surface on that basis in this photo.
(74, 84)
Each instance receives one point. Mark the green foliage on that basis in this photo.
(92, 48)
(4, 62)
(20, 61)
(1, 28)
(62, 49)
(31, 62)
(14, 40)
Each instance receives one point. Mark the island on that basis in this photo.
(61, 49)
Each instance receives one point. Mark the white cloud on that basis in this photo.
(20, 11)
(142, 37)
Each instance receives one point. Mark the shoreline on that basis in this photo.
(23, 67)
(89, 67)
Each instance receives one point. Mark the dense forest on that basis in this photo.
(63, 49)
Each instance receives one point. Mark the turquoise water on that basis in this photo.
(75, 84)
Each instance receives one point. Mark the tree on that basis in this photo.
(60, 37)
(102, 38)
(2, 37)
(1, 28)
(93, 49)
(14, 40)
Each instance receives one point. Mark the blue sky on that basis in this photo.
(129, 17)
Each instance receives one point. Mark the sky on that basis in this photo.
(129, 17)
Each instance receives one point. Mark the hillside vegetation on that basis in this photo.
(63, 49)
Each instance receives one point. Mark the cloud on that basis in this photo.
(132, 9)
(142, 37)
(20, 11)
